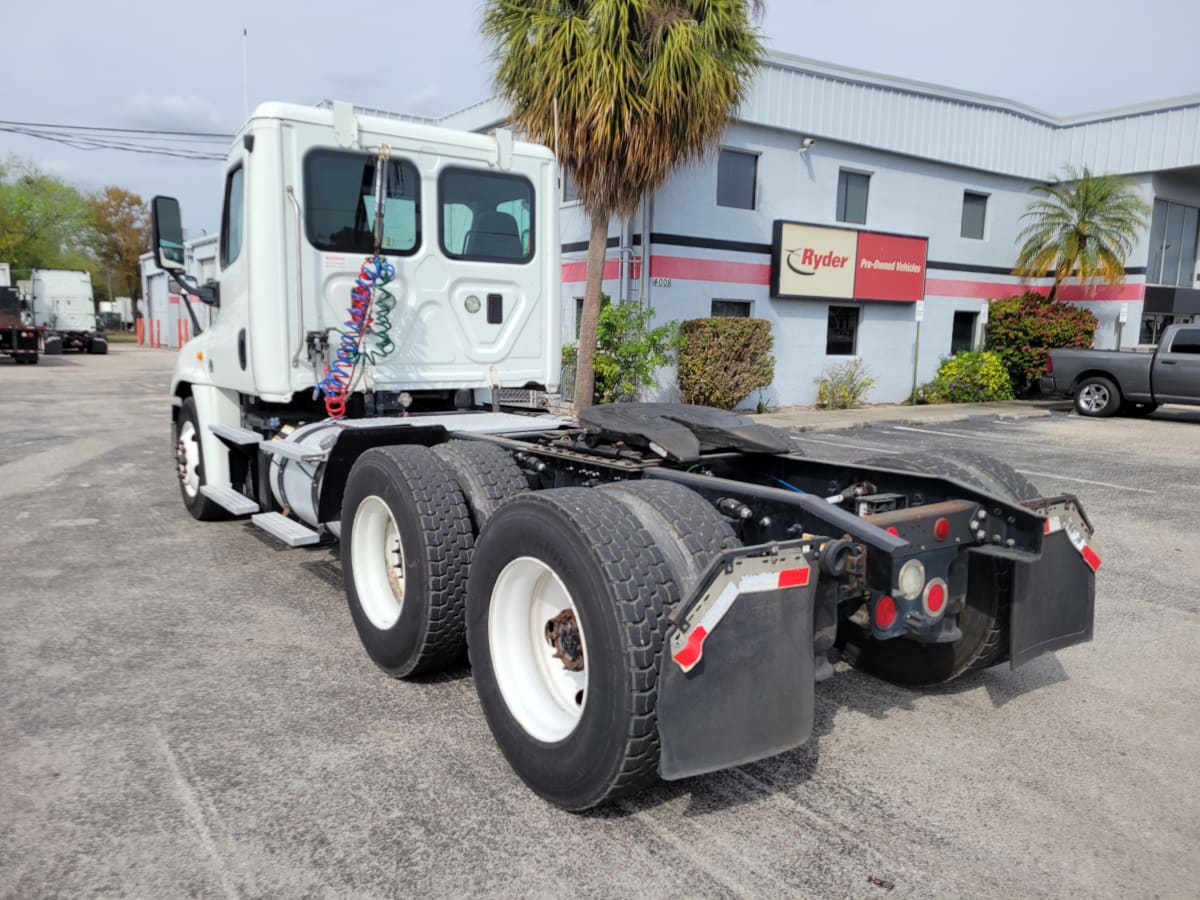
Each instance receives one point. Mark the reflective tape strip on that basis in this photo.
(690, 654)
(1089, 555)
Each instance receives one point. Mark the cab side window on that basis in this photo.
(233, 218)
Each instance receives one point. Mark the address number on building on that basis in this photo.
(660, 282)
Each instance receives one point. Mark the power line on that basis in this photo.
(151, 143)
(196, 134)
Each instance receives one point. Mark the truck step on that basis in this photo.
(230, 500)
(291, 532)
(292, 450)
(236, 437)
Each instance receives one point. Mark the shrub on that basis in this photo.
(1023, 329)
(844, 386)
(975, 377)
(628, 350)
(723, 360)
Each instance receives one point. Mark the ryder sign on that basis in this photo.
(843, 264)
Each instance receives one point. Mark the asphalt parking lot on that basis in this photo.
(185, 709)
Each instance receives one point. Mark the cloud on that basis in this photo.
(172, 113)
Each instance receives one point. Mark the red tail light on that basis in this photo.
(1049, 366)
(941, 529)
(885, 612)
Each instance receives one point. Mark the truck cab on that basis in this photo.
(470, 233)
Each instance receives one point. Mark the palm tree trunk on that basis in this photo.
(585, 372)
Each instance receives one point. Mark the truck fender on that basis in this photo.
(213, 406)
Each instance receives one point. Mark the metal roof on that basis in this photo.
(947, 125)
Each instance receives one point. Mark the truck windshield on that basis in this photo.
(339, 188)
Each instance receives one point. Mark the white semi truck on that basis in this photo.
(651, 591)
(65, 312)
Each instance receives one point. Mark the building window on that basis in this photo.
(841, 338)
(974, 212)
(962, 333)
(578, 316)
(852, 197)
(732, 309)
(1173, 236)
(736, 175)
(570, 191)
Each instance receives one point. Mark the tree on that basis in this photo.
(122, 226)
(625, 90)
(1085, 224)
(44, 222)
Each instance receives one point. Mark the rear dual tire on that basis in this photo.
(617, 560)
(406, 545)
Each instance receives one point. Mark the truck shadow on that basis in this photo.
(848, 690)
(1184, 414)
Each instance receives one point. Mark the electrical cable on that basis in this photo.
(352, 337)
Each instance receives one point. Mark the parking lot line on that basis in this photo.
(1118, 487)
(797, 437)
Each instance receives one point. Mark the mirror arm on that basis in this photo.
(208, 293)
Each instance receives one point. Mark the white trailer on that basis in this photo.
(650, 592)
(64, 310)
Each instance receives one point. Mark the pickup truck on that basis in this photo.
(1104, 382)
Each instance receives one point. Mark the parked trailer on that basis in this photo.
(650, 591)
(64, 310)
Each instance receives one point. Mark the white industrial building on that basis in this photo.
(166, 322)
(921, 189)
(865, 217)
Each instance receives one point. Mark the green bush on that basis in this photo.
(723, 360)
(628, 350)
(1023, 329)
(974, 377)
(844, 386)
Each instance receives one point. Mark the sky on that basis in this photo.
(179, 66)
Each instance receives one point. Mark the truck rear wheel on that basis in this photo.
(1097, 396)
(406, 546)
(984, 618)
(189, 465)
(486, 474)
(566, 612)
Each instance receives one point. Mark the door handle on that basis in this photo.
(1167, 362)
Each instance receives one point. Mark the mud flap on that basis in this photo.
(1053, 600)
(750, 695)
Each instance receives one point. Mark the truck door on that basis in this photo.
(1177, 368)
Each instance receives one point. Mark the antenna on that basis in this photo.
(245, 81)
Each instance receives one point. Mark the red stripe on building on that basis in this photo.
(576, 272)
(687, 268)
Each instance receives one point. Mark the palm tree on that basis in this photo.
(625, 90)
(1084, 224)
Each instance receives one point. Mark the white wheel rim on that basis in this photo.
(545, 697)
(187, 454)
(377, 561)
(1093, 397)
